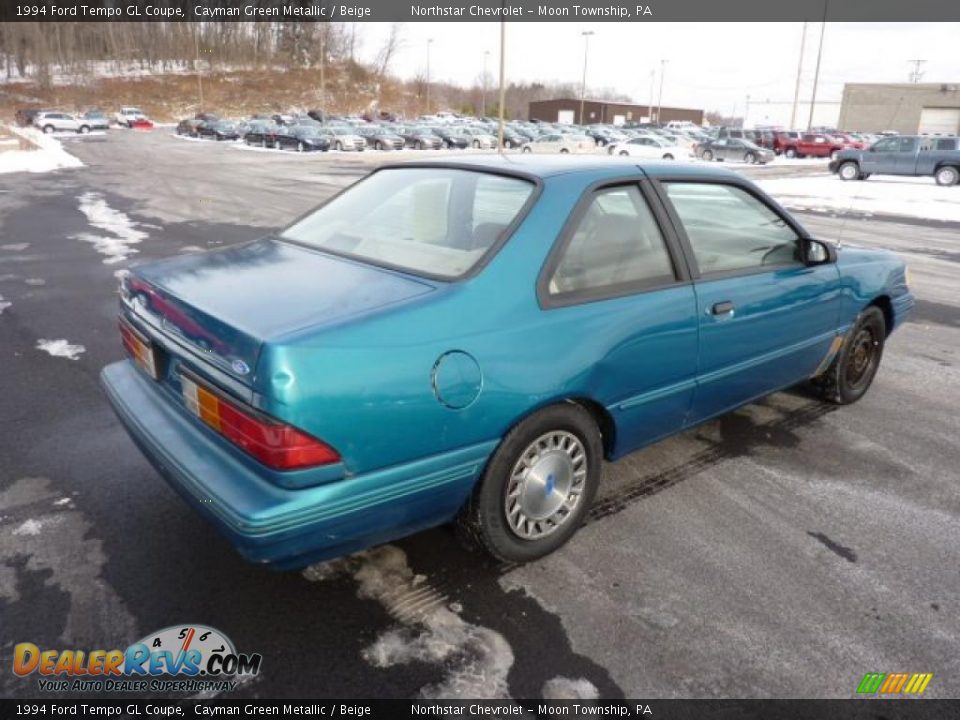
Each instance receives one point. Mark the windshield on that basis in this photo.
(431, 221)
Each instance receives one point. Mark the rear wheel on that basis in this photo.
(749, 158)
(790, 153)
(947, 176)
(537, 487)
(668, 156)
(623, 153)
(708, 155)
(527, 149)
(563, 151)
(84, 129)
(852, 371)
(48, 129)
(849, 171)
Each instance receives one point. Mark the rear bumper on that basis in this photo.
(284, 527)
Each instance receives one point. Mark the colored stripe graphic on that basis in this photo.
(894, 683)
(871, 683)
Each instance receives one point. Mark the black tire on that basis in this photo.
(853, 369)
(790, 153)
(668, 156)
(84, 129)
(377, 145)
(483, 520)
(707, 155)
(849, 171)
(527, 150)
(48, 129)
(749, 158)
(508, 144)
(564, 151)
(476, 144)
(947, 175)
(338, 146)
(623, 153)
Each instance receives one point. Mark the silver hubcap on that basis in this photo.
(849, 172)
(546, 485)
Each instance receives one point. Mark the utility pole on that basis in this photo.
(663, 65)
(653, 79)
(483, 99)
(796, 91)
(503, 86)
(196, 47)
(429, 43)
(917, 73)
(816, 72)
(583, 86)
(746, 114)
(323, 76)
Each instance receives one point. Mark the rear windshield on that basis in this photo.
(430, 221)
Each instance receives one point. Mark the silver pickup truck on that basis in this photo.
(914, 155)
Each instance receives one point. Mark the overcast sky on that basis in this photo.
(710, 66)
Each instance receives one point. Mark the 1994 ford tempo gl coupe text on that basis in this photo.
(468, 340)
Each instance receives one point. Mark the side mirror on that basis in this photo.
(817, 252)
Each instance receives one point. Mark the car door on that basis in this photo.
(905, 162)
(767, 320)
(881, 157)
(616, 285)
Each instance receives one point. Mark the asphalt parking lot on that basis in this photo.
(783, 550)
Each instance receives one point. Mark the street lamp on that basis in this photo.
(429, 43)
(583, 86)
(483, 97)
(663, 66)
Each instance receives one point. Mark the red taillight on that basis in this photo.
(276, 445)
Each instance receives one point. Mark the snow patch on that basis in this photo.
(29, 527)
(564, 688)
(61, 348)
(48, 154)
(123, 232)
(906, 197)
(4, 304)
(62, 501)
(15, 247)
(476, 660)
(36, 282)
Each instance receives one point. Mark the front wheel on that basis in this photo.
(48, 129)
(668, 156)
(790, 153)
(947, 176)
(852, 371)
(563, 151)
(537, 487)
(623, 153)
(707, 155)
(749, 158)
(849, 171)
(84, 130)
(526, 150)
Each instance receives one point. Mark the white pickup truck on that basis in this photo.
(127, 114)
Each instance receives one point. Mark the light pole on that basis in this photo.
(483, 97)
(796, 90)
(429, 43)
(816, 72)
(663, 66)
(746, 113)
(323, 76)
(653, 80)
(196, 41)
(583, 86)
(503, 86)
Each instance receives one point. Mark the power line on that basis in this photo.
(917, 73)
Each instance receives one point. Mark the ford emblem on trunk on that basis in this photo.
(240, 367)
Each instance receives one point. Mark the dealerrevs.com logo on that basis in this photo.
(180, 658)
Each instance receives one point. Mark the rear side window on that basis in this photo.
(434, 221)
(616, 245)
(731, 230)
(908, 145)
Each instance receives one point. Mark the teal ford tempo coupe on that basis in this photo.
(469, 340)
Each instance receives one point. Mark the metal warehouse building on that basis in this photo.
(908, 108)
(567, 110)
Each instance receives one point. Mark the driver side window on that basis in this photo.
(730, 230)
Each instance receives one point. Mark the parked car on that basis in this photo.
(24, 116)
(734, 149)
(344, 138)
(380, 138)
(812, 145)
(563, 144)
(782, 139)
(306, 138)
(263, 133)
(480, 138)
(188, 126)
(451, 137)
(419, 137)
(384, 373)
(96, 119)
(56, 121)
(653, 148)
(126, 115)
(911, 155)
(218, 130)
(848, 140)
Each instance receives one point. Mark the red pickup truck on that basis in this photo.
(811, 145)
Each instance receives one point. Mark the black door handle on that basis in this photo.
(722, 308)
